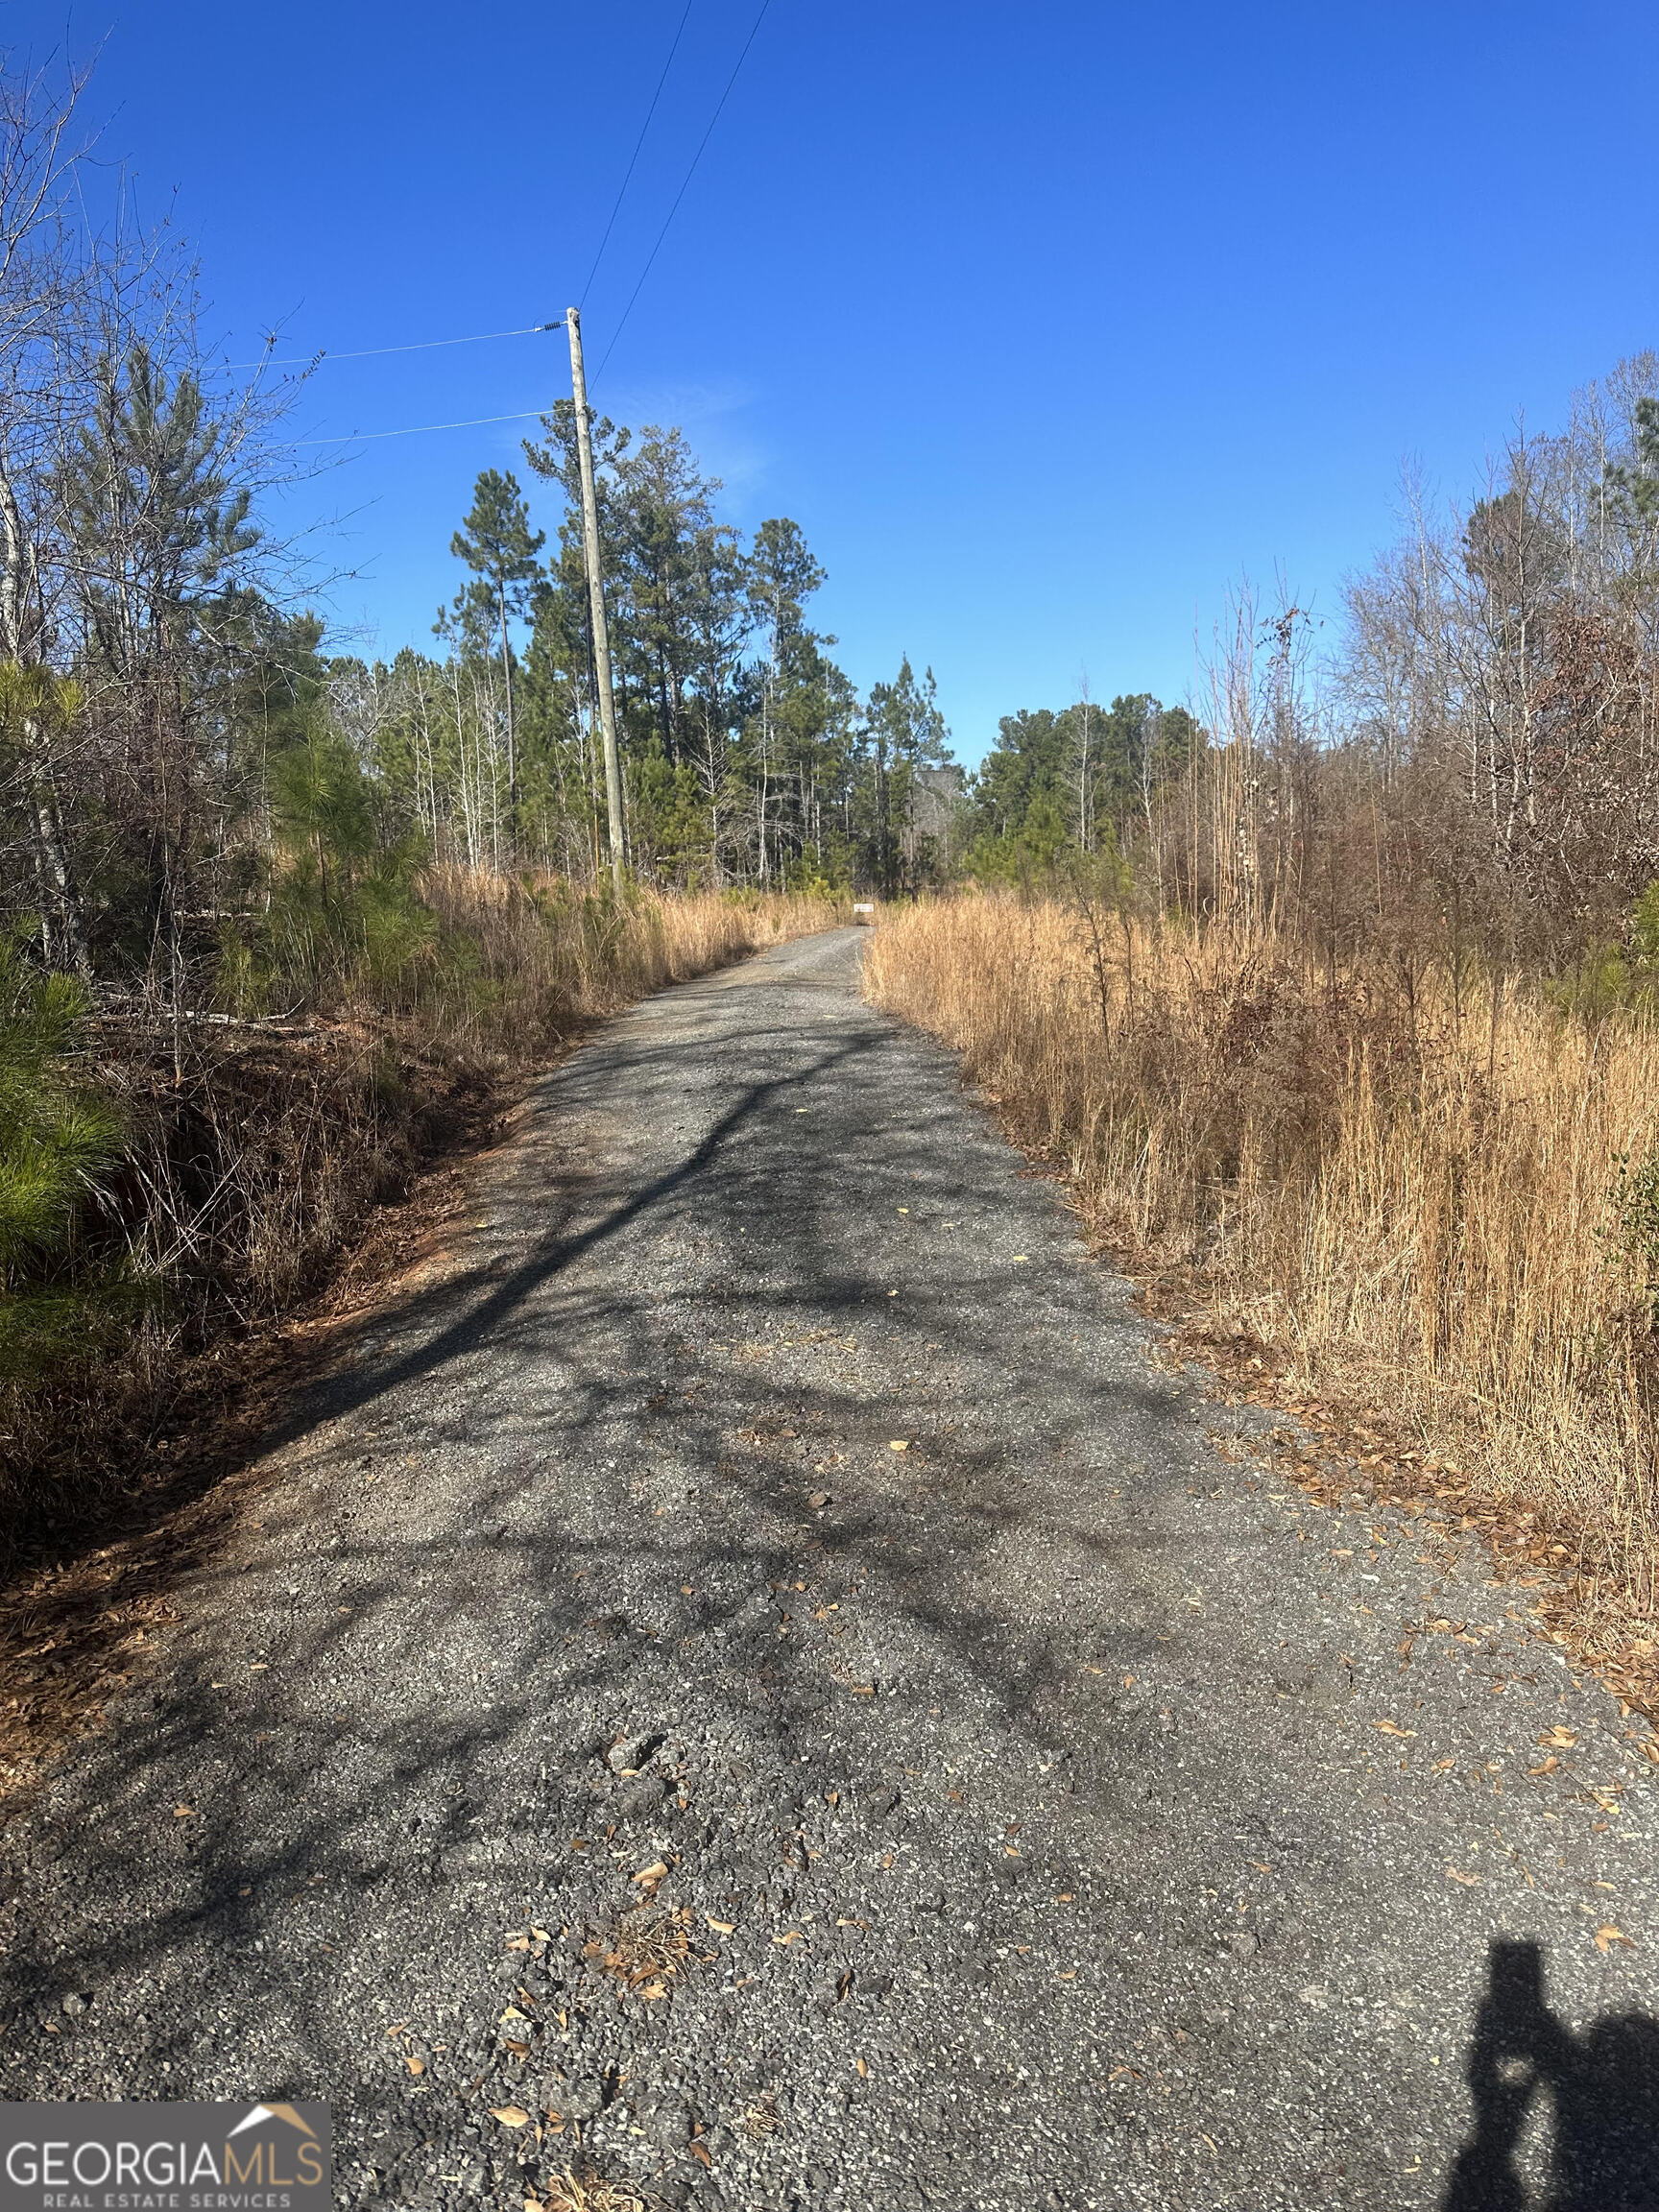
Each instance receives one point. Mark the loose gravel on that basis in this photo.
(757, 1686)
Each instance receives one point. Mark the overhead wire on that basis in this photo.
(684, 186)
(415, 429)
(635, 156)
(372, 352)
(534, 330)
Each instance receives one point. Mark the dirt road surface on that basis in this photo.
(758, 1661)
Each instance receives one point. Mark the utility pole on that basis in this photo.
(596, 596)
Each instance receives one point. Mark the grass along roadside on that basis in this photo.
(1422, 1222)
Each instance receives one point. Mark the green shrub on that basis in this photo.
(1632, 1233)
(57, 1140)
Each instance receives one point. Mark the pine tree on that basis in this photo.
(496, 543)
(905, 735)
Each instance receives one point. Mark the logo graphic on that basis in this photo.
(274, 2112)
(164, 2158)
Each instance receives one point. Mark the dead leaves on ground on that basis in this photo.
(763, 2118)
(1336, 1448)
(569, 2192)
(648, 1950)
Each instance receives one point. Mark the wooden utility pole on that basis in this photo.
(596, 596)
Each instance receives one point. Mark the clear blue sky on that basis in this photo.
(1045, 321)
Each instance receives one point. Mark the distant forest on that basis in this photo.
(1460, 756)
(749, 757)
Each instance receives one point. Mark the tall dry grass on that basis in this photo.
(510, 963)
(1412, 1197)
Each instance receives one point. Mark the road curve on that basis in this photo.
(1052, 1812)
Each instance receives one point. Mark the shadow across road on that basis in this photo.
(770, 1428)
(1602, 2088)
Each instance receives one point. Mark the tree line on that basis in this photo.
(749, 757)
(1458, 767)
(201, 800)
(204, 801)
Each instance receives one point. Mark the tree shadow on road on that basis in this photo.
(97, 1580)
(1602, 2086)
(591, 1412)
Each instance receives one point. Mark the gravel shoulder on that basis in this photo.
(758, 1670)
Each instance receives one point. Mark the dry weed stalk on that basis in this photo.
(569, 2192)
(648, 1949)
(556, 956)
(1408, 1202)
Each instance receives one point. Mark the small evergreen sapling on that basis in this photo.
(57, 1142)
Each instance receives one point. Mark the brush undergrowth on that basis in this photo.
(169, 1174)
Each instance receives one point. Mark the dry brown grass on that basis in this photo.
(647, 1950)
(256, 1148)
(543, 955)
(571, 2192)
(1403, 1201)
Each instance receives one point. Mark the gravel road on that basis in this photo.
(759, 1660)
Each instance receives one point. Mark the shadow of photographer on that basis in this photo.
(1602, 2086)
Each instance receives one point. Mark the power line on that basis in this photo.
(418, 429)
(638, 144)
(422, 346)
(681, 194)
(370, 352)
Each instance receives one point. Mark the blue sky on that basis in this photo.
(1045, 322)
